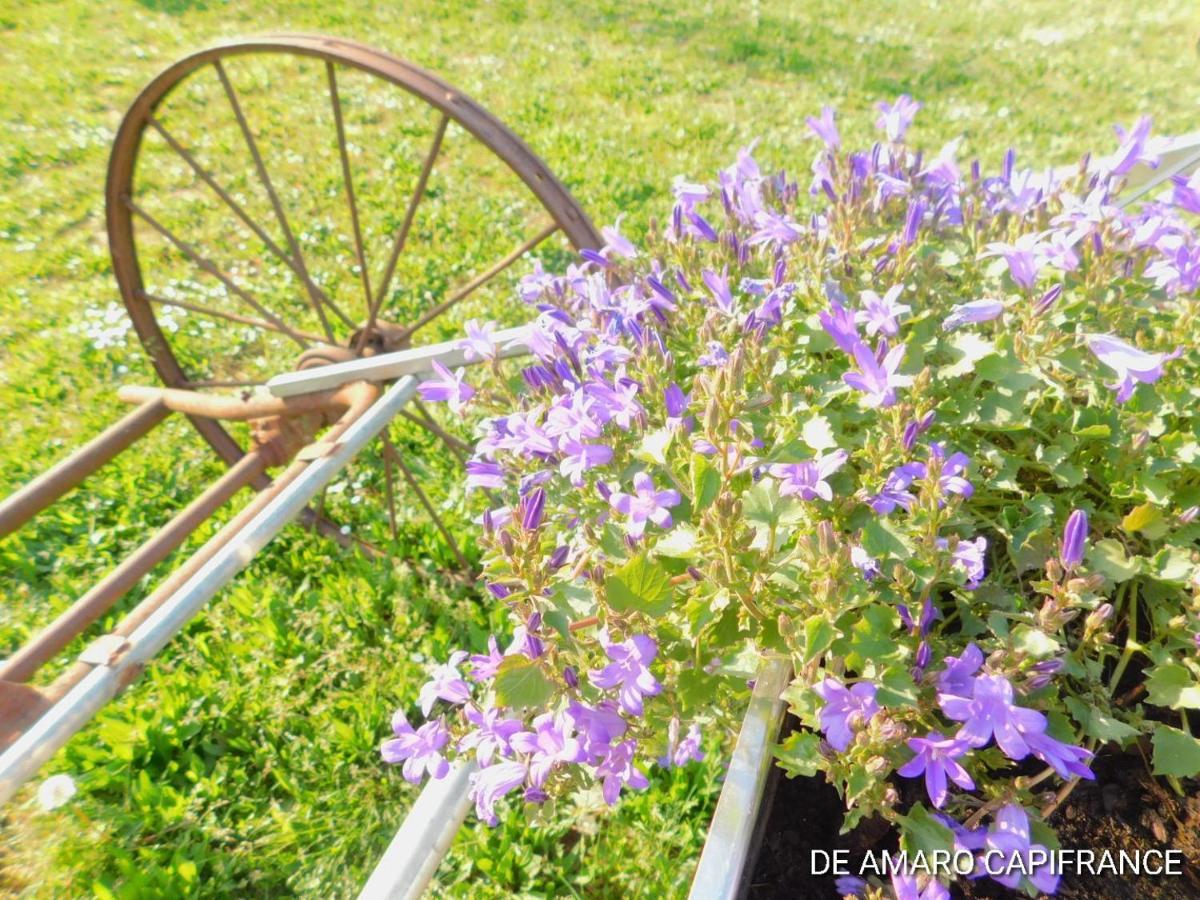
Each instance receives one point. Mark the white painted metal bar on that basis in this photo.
(387, 366)
(407, 866)
(1180, 158)
(727, 848)
(22, 760)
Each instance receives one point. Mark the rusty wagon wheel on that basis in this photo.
(296, 200)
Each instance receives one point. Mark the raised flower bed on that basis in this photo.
(926, 434)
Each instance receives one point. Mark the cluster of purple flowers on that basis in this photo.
(512, 753)
(636, 419)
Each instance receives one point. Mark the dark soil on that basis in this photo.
(1124, 809)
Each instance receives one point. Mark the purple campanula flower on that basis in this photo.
(878, 380)
(616, 243)
(1074, 540)
(865, 563)
(990, 711)
(972, 312)
(716, 356)
(551, 742)
(718, 286)
(491, 783)
(1131, 364)
(597, 727)
(969, 556)
(446, 386)
(936, 756)
(629, 672)
(676, 402)
(533, 506)
(839, 324)
(484, 474)
(681, 752)
(445, 684)
(907, 886)
(1186, 192)
(1066, 760)
(617, 770)
(525, 641)
(688, 195)
(826, 127)
(645, 504)
(880, 313)
(894, 118)
(958, 678)
(484, 666)
(419, 750)
(951, 480)
(479, 343)
(492, 734)
(850, 886)
(1009, 852)
(1024, 258)
(895, 489)
(1136, 148)
(807, 479)
(845, 710)
(912, 222)
(579, 457)
(1048, 300)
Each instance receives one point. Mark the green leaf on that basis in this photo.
(800, 754)
(639, 586)
(880, 539)
(922, 833)
(819, 635)
(818, 433)
(679, 543)
(967, 348)
(1097, 724)
(1147, 519)
(1173, 565)
(654, 446)
(1172, 685)
(521, 684)
(1034, 642)
(706, 483)
(871, 636)
(1108, 558)
(1176, 752)
(897, 688)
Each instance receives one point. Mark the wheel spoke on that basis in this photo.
(425, 420)
(237, 209)
(313, 295)
(479, 280)
(335, 100)
(206, 265)
(389, 483)
(398, 459)
(232, 317)
(402, 234)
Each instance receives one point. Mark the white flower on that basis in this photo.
(55, 791)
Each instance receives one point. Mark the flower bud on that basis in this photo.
(506, 543)
(570, 677)
(1054, 570)
(1189, 515)
(1074, 540)
(696, 574)
(1097, 617)
(1140, 441)
(826, 537)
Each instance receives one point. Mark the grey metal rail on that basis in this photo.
(727, 849)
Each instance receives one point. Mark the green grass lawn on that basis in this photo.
(245, 762)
